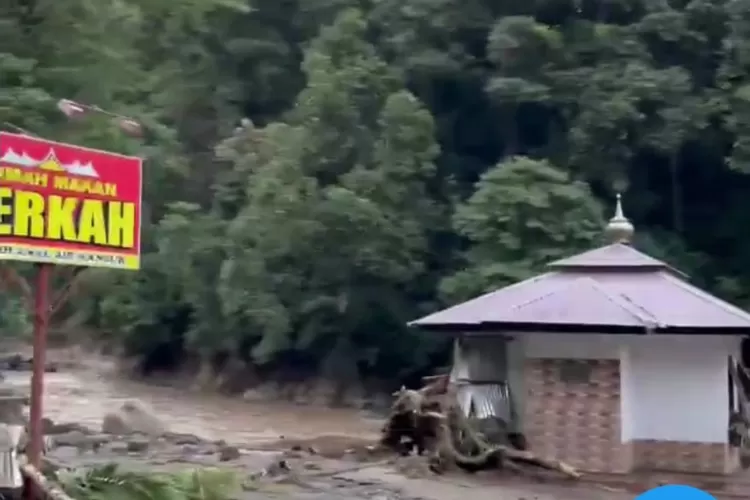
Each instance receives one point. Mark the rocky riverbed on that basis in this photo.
(281, 450)
(332, 467)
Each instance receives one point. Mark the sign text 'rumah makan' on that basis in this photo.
(65, 204)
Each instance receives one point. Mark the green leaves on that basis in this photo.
(328, 213)
(519, 44)
(108, 482)
(523, 214)
(316, 171)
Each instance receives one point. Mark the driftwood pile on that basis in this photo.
(430, 420)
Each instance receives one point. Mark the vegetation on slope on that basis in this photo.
(319, 172)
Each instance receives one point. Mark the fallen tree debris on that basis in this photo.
(430, 420)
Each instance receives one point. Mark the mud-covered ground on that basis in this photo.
(297, 469)
(324, 448)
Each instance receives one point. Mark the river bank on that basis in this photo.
(325, 448)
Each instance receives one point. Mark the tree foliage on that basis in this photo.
(321, 172)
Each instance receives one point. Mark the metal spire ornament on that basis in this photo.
(619, 229)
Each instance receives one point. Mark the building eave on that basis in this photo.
(505, 329)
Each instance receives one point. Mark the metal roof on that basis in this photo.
(615, 287)
(616, 255)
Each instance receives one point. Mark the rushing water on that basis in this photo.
(86, 395)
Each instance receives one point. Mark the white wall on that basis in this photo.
(677, 390)
(673, 387)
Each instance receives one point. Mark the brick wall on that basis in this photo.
(709, 458)
(576, 419)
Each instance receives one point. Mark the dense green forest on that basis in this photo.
(319, 172)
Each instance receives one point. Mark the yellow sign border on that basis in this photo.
(131, 262)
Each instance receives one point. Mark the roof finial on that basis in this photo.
(619, 229)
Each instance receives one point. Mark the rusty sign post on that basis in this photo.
(41, 319)
(62, 204)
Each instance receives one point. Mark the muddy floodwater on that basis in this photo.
(86, 395)
(87, 391)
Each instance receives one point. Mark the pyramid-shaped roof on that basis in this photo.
(617, 255)
(614, 288)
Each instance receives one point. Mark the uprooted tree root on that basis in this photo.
(431, 421)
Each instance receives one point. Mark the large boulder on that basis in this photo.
(133, 418)
(114, 423)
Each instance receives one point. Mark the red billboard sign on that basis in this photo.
(65, 204)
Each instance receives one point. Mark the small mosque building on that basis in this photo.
(610, 361)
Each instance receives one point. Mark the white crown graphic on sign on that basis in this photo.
(49, 163)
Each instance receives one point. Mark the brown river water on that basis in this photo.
(85, 395)
(92, 389)
(89, 389)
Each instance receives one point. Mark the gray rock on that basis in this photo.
(47, 425)
(114, 423)
(181, 439)
(228, 453)
(81, 441)
(137, 446)
(67, 427)
(75, 438)
(118, 447)
(190, 449)
(132, 418)
(15, 362)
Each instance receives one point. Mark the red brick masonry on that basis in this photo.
(715, 458)
(577, 420)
